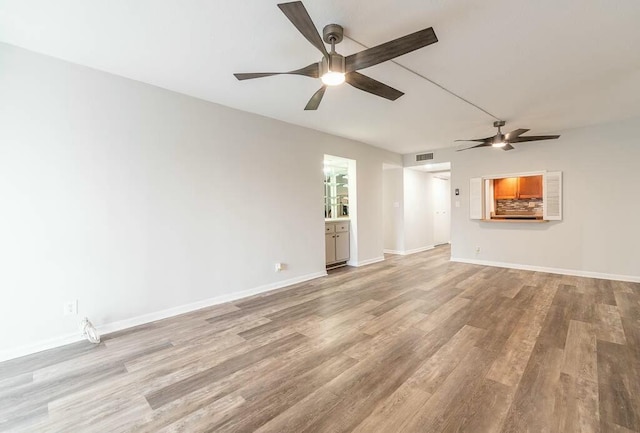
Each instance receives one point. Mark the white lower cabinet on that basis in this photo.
(336, 246)
(330, 248)
(342, 246)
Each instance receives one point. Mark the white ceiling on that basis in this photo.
(547, 65)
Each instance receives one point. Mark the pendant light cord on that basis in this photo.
(432, 82)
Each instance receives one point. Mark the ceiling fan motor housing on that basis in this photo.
(335, 63)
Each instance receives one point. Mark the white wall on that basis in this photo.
(418, 210)
(409, 205)
(393, 192)
(599, 234)
(136, 200)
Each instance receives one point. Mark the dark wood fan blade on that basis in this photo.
(372, 86)
(473, 147)
(313, 71)
(507, 147)
(515, 133)
(533, 138)
(249, 75)
(299, 17)
(480, 140)
(315, 100)
(390, 50)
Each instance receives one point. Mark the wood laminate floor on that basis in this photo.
(413, 344)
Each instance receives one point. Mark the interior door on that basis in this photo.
(442, 211)
(442, 230)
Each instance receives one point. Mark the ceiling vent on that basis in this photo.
(424, 157)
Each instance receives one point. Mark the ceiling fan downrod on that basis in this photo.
(333, 34)
(332, 68)
(499, 139)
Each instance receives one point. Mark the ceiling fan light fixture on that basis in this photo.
(498, 141)
(333, 78)
(332, 70)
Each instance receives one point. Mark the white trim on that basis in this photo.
(572, 272)
(366, 262)
(398, 252)
(476, 198)
(413, 251)
(519, 174)
(152, 317)
(489, 202)
(419, 250)
(549, 180)
(39, 346)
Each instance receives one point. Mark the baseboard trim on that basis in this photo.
(366, 262)
(49, 343)
(571, 272)
(107, 328)
(407, 252)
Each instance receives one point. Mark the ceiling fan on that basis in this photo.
(334, 69)
(504, 141)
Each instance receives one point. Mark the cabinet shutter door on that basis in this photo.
(475, 198)
(552, 200)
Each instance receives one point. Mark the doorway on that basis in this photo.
(442, 208)
(340, 211)
(435, 195)
(417, 207)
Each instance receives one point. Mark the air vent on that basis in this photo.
(424, 157)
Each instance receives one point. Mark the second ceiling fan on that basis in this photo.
(335, 69)
(504, 141)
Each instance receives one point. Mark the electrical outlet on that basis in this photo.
(477, 250)
(70, 308)
(278, 267)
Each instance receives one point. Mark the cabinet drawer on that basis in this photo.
(342, 227)
(329, 228)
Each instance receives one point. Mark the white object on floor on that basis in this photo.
(89, 331)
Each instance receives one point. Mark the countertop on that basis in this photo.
(514, 220)
(517, 215)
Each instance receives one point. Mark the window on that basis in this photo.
(521, 196)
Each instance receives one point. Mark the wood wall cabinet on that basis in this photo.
(530, 187)
(336, 243)
(511, 188)
(506, 188)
